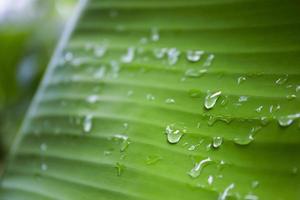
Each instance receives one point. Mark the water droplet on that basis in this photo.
(243, 140)
(210, 180)
(209, 60)
(144, 40)
(217, 142)
(129, 56)
(68, 56)
(99, 74)
(194, 73)
(44, 167)
(169, 101)
(251, 197)
(43, 147)
(87, 123)
(173, 56)
(92, 98)
(291, 96)
(193, 147)
(243, 99)
(160, 53)
(196, 170)
(241, 79)
(152, 159)
(174, 133)
(281, 80)
(194, 93)
(154, 34)
(107, 153)
(285, 121)
(129, 93)
(120, 168)
(123, 140)
(294, 170)
(113, 13)
(150, 97)
(298, 88)
(254, 184)
(211, 99)
(224, 194)
(259, 109)
(194, 56)
(99, 51)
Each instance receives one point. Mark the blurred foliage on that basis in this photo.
(26, 44)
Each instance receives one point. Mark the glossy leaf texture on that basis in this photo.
(167, 100)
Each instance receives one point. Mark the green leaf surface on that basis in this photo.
(166, 100)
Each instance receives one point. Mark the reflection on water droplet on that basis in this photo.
(152, 159)
(291, 96)
(243, 99)
(174, 133)
(120, 168)
(169, 101)
(211, 99)
(194, 56)
(129, 56)
(193, 147)
(194, 73)
(217, 142)
(285, 121)
(259, 109)
(281, 80)
(225, 193)
(196, 170)
(241, 79)
(87, 123)
(209, 60)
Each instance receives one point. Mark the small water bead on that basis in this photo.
(107, 153)
(209, 60)
(174, 133)
(295, 170)
(241, 79)
(224, 194)
(99, 51)
(144, 40)
(69, 56)
(169, 101)
(251, 197)
(152, 159)
(87, 123)
(254, 184)
(194, 93)
(92, 99)
(210, 180)
(113, 13)
(129, 56)
(99, 74)
(115, 68)
(291, 96)
(155, 35)
(243, 140)
(43, 147)
(194, 56)
(259, 109)
(274, 108)
(243, 98)
(44, 167)
(193, 147)
(194, 73)
(129, 93)
(211, 99)
(150, 97)
(120, 168)
(298, 88)
(160, 53)
(281, 80)
(123, 140)
(196, 170)
(173, 56)
(217, 142)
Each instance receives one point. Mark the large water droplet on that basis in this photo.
(194, 56)
(129, 56)
(174, 133)
(285, 121)
(217, 142)
(87, 123)
(211, 99)
(225, 193)
(196, 170)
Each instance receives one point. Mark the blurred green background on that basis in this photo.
(29, 31)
